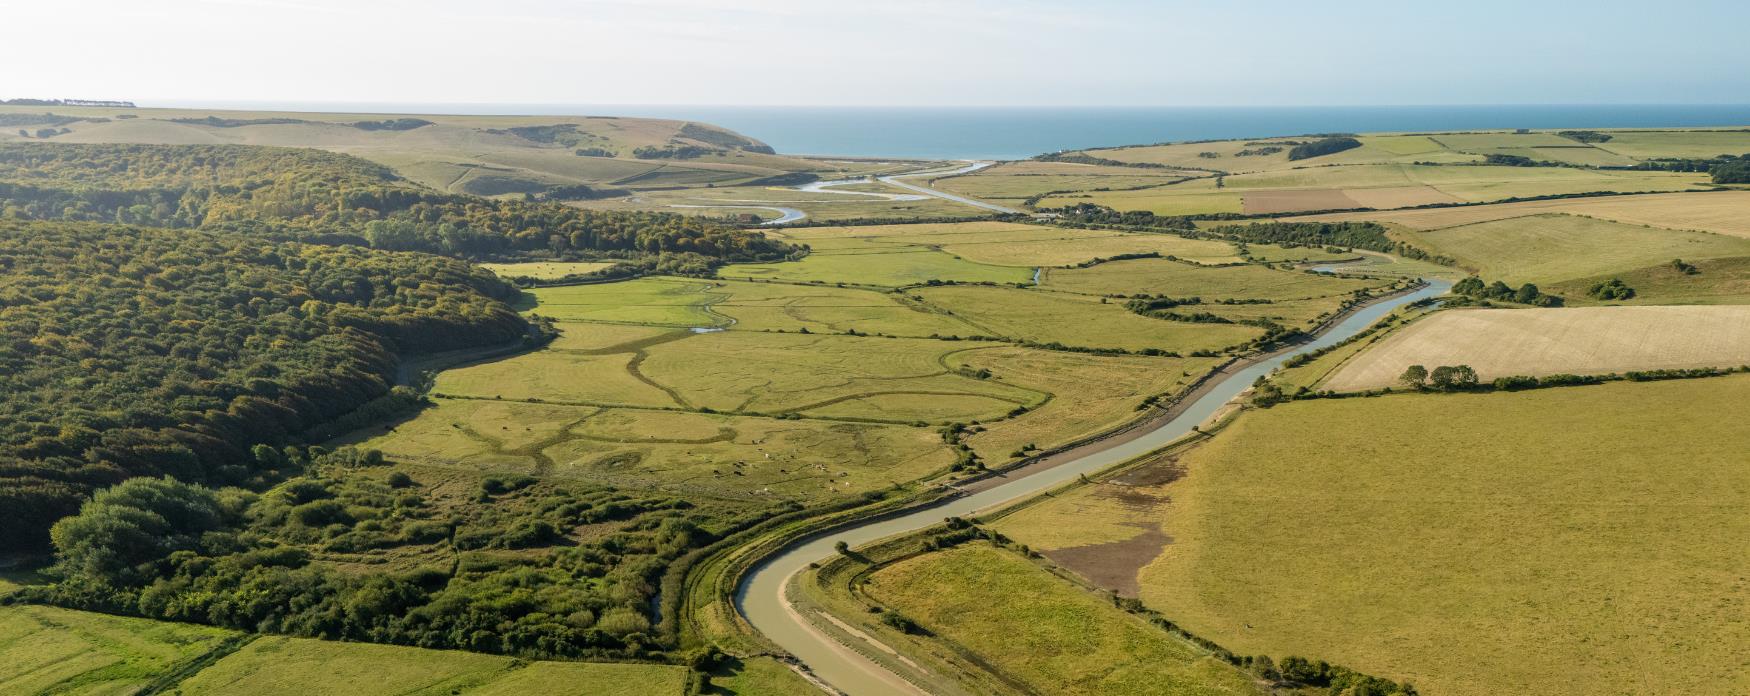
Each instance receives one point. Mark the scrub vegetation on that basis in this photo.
(409, 404)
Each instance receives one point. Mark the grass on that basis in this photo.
(461, 154)
(545, 270)
(1093, 393)
(1181, 280)
(1374, 185)
(1723, 212)
(1470, 542)
(1006, 244)
(659, 301)
(274, 666)
(51, 650)
(1569, 340)
(759, 676)
(1041, 631)
(1551, 248)
(757, 306)
(1077, 320)
(1699, 144)
(1175, 200)
(1716, 281)
(697, 454)
(891, 269)
(784, 373)
(1080, 246)
(894, 379)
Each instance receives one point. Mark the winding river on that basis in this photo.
(761, 595)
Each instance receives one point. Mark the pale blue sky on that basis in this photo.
(890, 52)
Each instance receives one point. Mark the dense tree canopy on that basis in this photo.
(312, 195)
(143, 352)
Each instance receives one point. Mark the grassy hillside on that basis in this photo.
(319, 196)
(485, 155)
(1385, 171)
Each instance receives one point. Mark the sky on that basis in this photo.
(878, 52)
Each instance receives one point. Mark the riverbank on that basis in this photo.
(761, 594)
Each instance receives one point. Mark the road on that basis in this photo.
(761, 595)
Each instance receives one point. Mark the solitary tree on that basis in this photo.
(1414, 377)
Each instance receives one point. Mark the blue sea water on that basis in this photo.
(1019, 132)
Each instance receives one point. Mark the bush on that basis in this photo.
(1613, 289)
(1322, 147)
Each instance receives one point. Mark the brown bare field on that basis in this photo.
(1387, 197)
(1724, 212)
(1571, 340)
(1291, 200)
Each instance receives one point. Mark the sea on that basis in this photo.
(1021, 132)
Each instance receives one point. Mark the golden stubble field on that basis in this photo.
(1565, 340)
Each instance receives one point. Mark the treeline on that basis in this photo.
(1322, 147)
(493, 572)
(316, 196)
(1474, 288)
(144, 352)
(1349, 235)
(1585, 136)
(1084, 158)
(1724, 169)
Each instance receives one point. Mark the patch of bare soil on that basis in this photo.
(1115, 565)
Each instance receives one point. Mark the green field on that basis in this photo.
(1182, 280)
(759, 306)
(481, 155)
(890, 269)
(46, 650)
(1481, 539)
(1554, 248)
(273, 666)
(672, 302)
(1091, 393)
(1387, 171)
(741, 306)
(1034, 628)
(545, 270)
(1077, 320)
(709, 455)
(1006, 244)
(1716, 281)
